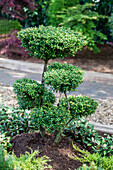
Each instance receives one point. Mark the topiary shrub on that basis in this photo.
(79, 105)
(29, 94)
(6, 26)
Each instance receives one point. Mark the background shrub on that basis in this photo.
(6, 26)
(29, 94)
(11, 46)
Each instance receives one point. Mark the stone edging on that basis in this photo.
(102, 128)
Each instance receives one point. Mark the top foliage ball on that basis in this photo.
(51, 42)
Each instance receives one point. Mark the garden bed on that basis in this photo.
(58, 153)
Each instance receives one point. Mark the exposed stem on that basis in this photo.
(42, 132)
(67, 101)
(44, 70)
(42, 82)
(58, 137)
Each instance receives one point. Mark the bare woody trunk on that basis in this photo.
(44, 70)
(67, 101)
(42, 81)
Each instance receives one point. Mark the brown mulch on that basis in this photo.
(58, 153)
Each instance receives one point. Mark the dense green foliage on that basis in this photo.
(56, 6)
(63, 77)
(86, 157)
(111, 24)
(36, 17)
(91, 167)
(29, 94)
(5, 141)
(79, 105)
(83, 132)
(6, 160)
(53, 119)
(13, 121)
(82, 19)
(7, 26)
(24, 162)
(30, 162)
(49, 42)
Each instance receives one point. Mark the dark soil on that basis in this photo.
(58, 153)
(87, 60)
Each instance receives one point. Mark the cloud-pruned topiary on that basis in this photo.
(29, 94)
(50, 42)
(63, 77)
(79, 105)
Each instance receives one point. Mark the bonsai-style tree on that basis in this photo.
(49, 43)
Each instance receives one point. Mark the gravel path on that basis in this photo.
(103, 115)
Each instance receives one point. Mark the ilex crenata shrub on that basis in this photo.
(79, 105)
(54, 119)
(29, 94)
(63, 77)
(50, 42)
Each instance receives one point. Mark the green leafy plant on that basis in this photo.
(7, 25)
(91, 167)
(79, 105)
(6, 160)
(13, 121)
(81, 18)
(111, 24)
(83, 132)
(103, 145)
(5, 142)
(29, 94)
(29, 161)
(54, 7)
(87, 157)
(54, 119)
